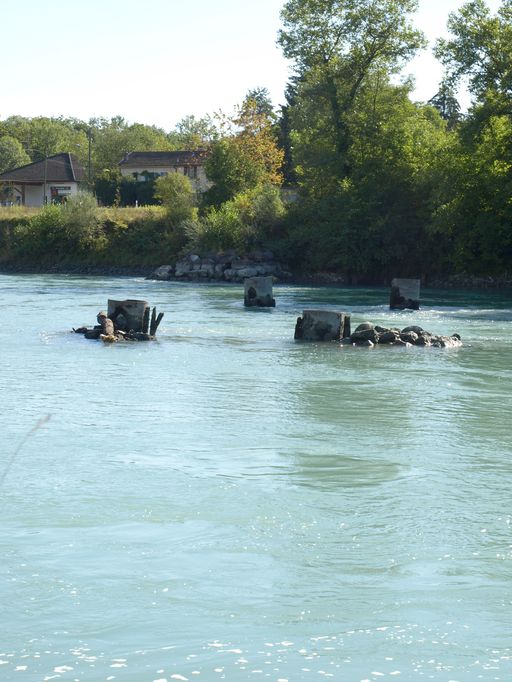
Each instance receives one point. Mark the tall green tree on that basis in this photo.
(230, 170)
(247, 155)
(115, 137)
(12, 153)
(477, 212)
(335, 46)
(42, 136)
(285, 131)
(447, 104)
(262, 102)
(480, 51)
(193, 133)
(375, 224)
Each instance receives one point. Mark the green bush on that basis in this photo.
(42, 238)
(246, 221)
(261, 209)
(145, 239)
(219, 229)
(178, 197)
(80, 219)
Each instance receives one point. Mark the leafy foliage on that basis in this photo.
(248, 155)
(12, 153)
(480, 49)
(336, 45)
(177, 195)
(242, 223)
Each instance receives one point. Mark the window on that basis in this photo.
(190, 171)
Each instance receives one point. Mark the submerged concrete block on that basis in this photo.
(405, 293)
(258, 292)
(322, 325)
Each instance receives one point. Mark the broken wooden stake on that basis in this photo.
(154, 325)
(145, 320)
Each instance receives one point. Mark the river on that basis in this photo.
(227, 504)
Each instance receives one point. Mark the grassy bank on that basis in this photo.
(80, 235)
(60, 238)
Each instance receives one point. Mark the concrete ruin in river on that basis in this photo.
(128, 320)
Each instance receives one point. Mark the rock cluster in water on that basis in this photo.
(227, 267)
(368, 334)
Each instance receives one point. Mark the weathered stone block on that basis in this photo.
(405, 293)
(388, 336)
(361, 336)
(258, 292)
(409, 337)
(127, 315)
(322, 325)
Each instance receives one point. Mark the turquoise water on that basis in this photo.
(226, 504)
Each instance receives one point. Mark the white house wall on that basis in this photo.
(201, 182)
(34, 193)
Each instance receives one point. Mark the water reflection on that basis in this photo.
(331, 472)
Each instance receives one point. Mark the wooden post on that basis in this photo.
(153, 321)
(145, 320)
(154, 325)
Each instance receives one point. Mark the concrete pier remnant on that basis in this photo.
(405, 293)
(258, 292)
(322, 325)
(126, 320)
(129, 315)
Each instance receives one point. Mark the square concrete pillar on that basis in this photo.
(322, 325)
(258, 292)
(405, 293)
(128, 315)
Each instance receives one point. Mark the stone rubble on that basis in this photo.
(224, 267)
(369, 335)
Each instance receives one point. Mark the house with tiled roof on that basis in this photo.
(53, 179)
(145, 166)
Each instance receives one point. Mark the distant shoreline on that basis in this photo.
(327, 280)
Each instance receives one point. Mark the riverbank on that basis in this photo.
(325, 279)
(140, 242)
(93, 270)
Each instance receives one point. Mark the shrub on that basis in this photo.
(42, 237)
(80, 218)
(178, 197)
(261, 208)
(219, 229)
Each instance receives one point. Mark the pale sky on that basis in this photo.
(158, 61)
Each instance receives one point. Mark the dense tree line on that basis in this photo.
(390, 186)
(386, 186)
